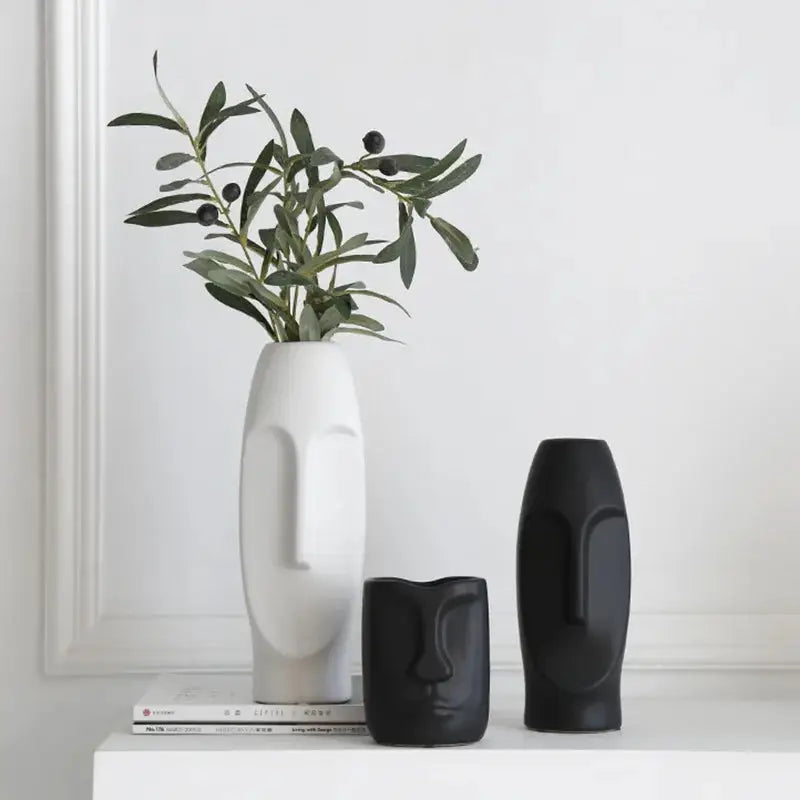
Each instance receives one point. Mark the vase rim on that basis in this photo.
(432, 584)
(573, 440)
(305, 344)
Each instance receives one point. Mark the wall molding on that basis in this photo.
(80, 639)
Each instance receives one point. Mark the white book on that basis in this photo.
(247, 729)
(228, 699)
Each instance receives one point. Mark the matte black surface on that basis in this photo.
(425, 653)
(573, 587)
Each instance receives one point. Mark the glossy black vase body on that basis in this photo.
(425, 653)
(573, 587)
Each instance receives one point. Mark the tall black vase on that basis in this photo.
(573, 587)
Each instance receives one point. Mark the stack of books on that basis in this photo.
(222, 704)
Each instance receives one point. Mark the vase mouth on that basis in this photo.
(573, 440)
(304, 344)
(432, 584)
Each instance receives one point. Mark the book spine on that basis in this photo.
(232, 714)
(184, 729)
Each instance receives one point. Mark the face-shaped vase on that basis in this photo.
(573, 581)
(425, 652)
(302, 518)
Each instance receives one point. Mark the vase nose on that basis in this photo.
(577, 585)
(300, 533)
(433, 666)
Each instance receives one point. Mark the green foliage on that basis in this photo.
(151, 120)
(279, 282)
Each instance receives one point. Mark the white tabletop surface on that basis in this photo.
(648, 725)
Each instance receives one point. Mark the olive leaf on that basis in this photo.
(286, 221)
(294, 167)
(268, 298)
(238, 110)
(259, 99)
(346, 287)
(405, 162)
(158, 219)
(421, 206)
(267, 236)
(408, 247)
(309, 325)
(354, 242)
(457, 241)
(379, 296)
(336, 228)
(150, 120)
(437, 168)
(305, 144)
(249, 243)
(232, 164)
(318, 263)
(322, 156)
(321, 221)
(239, 304)
(256, 174)
(311, 199)
(220, 257)
(170, 200)
(174, 111)
(171, 187)
(282, 238)
(255, 201)
(332, 181)
(365, 322)
(287, 277)
(202, 266)
(392, 251)
(214, 104)
(452, 179)
(330, 318)
(350, 204)
(173, 161)
(230, 280)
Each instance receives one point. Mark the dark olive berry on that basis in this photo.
(231, 192)
(388, 166)
(374, 142)
(207, 214)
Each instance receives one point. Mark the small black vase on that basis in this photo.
(425, 654)
(573, 587)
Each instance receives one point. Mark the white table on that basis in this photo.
(667, 749)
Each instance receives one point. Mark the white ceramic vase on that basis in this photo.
(302, 522)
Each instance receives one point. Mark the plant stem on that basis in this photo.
(357, 168)
(273, 328)
(275, 333)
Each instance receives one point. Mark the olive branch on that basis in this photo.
(279, 279)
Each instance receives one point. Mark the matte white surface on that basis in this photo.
(301, 506)
(666, 749)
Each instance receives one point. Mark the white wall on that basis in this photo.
(636, 214)
(641, 263)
